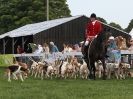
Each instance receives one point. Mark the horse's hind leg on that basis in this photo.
(104, 70)
(94, 71)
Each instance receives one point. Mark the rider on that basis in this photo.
(94, 27)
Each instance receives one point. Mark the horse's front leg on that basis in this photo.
(90, 76)
(90, 70)
(94, 71)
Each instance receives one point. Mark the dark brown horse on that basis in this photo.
(96, 50)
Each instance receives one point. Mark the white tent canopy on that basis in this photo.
(32, 29)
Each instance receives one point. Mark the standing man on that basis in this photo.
(94, 27)
(53, 47)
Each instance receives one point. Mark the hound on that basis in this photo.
(15, 70)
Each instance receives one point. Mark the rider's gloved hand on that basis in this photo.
(96, 36)
(86, 43)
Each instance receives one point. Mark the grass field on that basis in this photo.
(65, 89)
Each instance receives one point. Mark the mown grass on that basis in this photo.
(33, 88)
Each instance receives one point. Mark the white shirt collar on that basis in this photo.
(94, 22)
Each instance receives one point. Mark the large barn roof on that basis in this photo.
(32, 29)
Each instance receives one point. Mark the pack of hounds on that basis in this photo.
(70, 68)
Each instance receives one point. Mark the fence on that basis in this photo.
(127, 56)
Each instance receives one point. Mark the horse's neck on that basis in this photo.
(99, 43)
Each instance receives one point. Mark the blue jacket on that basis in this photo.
(54, 49)
(112, 45)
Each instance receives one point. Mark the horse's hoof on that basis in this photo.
(104, 78)
(90, 77)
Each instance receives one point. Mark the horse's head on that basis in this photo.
(103, 37)
(102, 40)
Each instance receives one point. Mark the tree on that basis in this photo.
(16, 13)
(116, 25)
(102, 20)
(130, 26)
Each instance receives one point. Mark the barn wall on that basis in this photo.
(71, 32)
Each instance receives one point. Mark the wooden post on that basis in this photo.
(47, 10)
(23, 42)
(12, 45)
(3, 46)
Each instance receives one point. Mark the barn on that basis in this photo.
(64, 30)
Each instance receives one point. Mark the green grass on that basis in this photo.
(33, 88)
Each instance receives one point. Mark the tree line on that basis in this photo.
(16, 13)
(128, 29)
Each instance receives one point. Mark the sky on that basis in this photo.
(118, 11)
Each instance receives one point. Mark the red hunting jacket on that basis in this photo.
(93, 30)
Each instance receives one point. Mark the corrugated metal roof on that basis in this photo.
(115, 28)
(32, 29)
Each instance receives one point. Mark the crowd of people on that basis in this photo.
(51, 48)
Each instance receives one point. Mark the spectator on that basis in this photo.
(70, 48)
(39, 49)
(29, 49)
(76, 48)
(131, 45)
(46, 50)
(19, 50)
(81, 45)
(53, 47)
(112, 51)
(65, 48)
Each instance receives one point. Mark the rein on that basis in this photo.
(89, 50)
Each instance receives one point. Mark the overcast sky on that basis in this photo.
(118, 11)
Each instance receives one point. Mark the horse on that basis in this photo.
(96, 50)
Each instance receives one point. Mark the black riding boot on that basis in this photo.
(85, 52)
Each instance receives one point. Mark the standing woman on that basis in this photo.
(19, 50)
(65, 48)
(113, 52)
(46, 49)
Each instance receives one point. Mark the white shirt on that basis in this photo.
(70, 49)
(39, 50)
(46, 49)
(65, 50)
(94, 22)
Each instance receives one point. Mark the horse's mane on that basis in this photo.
(101, 37)
(99, 41)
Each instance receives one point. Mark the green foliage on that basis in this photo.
(116, 25)
(102, 20)
(16, 13)
(6, 60)
(130, 26)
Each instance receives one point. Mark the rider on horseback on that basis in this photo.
(94, 27)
